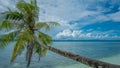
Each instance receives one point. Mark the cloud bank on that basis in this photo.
(75, 15)
(80, 35)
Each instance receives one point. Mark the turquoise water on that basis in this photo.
(104, 51)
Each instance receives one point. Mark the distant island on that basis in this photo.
(86, 40)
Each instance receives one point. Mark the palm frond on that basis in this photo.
(46, 25)
(33, 2)
(13, 15)
(40, 51)
(6, 25)
(44, 51)
(53, 24)
(11, 20)
(41, 25)
(18, 48)
(29, 11)
(9, 37)
(38, 48)
(11, 25)
(26, 7)
(24, 37)
(44, 38)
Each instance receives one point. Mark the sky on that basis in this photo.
(79, 19)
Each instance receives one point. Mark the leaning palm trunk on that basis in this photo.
(29, 52)
(87, 61)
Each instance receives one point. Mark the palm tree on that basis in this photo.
(23, 27)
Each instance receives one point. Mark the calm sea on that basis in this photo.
(104, 51)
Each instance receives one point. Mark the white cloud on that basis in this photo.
(102, 17)
(88, 13)
(76, 33)
(115, 16)
(65, 33)
(67, 10)
(80, 35)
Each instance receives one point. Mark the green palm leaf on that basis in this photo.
(13, 15)
(18, 48)
(32, 9)
(46, 25)
(53, 24)
(44, 51)
(46, 39)
(12, 19)
(6, 25)
(9, 37)
(38, 50)
(26, 35)
(23, 38)
(41, 25)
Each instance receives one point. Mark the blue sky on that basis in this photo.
(79, 19)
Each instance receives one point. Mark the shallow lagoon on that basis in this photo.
(104, 51)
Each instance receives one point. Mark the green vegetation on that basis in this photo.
(22, 25)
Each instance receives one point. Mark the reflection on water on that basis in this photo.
(109, 52)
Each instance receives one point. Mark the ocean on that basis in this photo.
(104, 51)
